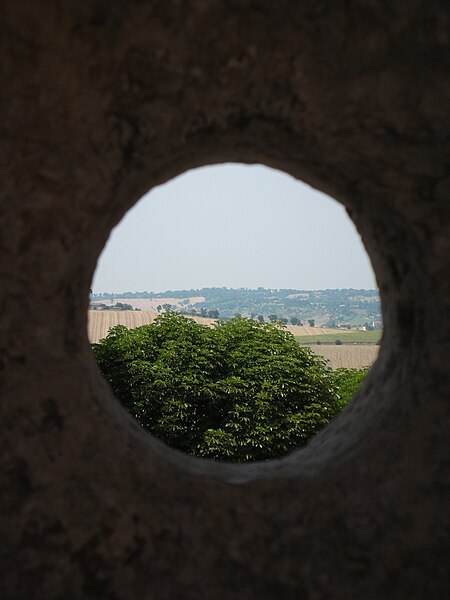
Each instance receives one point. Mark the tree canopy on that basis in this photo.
(241, 391)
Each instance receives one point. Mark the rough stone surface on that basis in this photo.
(100, 101)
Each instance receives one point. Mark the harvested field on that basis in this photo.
(301, 330)
(101, 321)
(353, 356)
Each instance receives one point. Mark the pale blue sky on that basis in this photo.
(235, 226)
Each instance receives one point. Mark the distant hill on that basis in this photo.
(331, 307)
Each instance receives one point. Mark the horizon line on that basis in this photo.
(253, 289)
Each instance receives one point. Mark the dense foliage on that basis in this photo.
(348, 382)
(241, 391)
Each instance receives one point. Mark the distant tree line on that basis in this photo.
(116, 306)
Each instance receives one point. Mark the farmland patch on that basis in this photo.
(346, 336)
(349, 356)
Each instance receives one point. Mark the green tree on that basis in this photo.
(348, 382)
(311, 322)
(241, 391)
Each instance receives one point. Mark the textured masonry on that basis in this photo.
(100, 101)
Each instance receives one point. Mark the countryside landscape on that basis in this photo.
(235, 374)
(344, 326)
(221, 371)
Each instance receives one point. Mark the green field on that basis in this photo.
(346, 337)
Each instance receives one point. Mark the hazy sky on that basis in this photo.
(235, 226)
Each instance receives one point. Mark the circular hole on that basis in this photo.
(259, 309)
